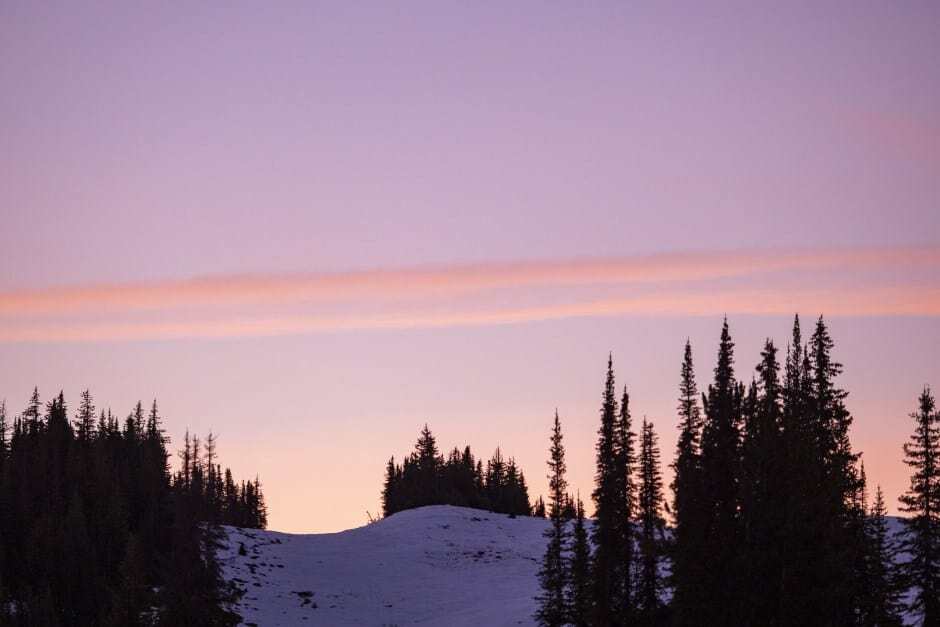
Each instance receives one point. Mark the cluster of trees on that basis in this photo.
(216, 496)
(611, 575)
(427, 478)
(94, 530)
(771, 520)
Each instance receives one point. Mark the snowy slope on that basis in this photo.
(437, 565)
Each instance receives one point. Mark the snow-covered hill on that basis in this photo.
(436, 565)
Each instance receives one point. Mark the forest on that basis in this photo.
(426, 478)
(96, 530)
(770, 517)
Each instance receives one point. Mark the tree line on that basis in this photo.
(95, 530)
(771, 520)
(425, 477)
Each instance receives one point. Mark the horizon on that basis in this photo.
(313, 229)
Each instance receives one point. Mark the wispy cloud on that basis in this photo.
(675, 284)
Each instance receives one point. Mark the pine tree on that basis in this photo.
(881, 606)
(85, 422)
(921, 537)
(802, 477)
(721, 471)
(652, 531)
(626, 504)
(836, 601)
(579, 593)
(762, 493)
(689, 512)
(390, 488)
(552, 609)
(608, 573)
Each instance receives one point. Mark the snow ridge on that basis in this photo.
(429, 566)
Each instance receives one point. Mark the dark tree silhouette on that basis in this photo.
(610, 576)
(921, 538)
(552, 609)
(580, 592)
(95, 531)
(689, 505)
(426, 478)
(649, 586)
(721, 472)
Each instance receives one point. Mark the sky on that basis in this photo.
(313, 227)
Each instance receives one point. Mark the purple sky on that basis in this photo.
(245, 144)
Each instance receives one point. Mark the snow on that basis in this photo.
(428, 566)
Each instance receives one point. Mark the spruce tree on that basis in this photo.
(650, 609)
(390, 488)
(762, 493)
(607, 568)
(553, 575)
(921, 537)
(802, 476)
(579, 594)
(626, 505)
(721, 471)
(688, 509)
(881, 605)
(835, 593)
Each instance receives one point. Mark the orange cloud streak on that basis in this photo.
(423, 282)
(884, 301)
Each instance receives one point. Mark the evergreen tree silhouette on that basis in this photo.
(650, 609)
(626, 504)
(881, 605)
(921, 501)
(689, 506)
(553, 610)
(762, 492)
(721, 472)
(580, 591)
(608, 572)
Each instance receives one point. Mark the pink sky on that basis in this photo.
(314, 228)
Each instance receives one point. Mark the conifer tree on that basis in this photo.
(539, 509)
(801, 477)
(650, 610)
(835, 593)
(553, 575)
(608, 573)
(688, 509)
(881, 606)
(579, 593)
(721, 471)
(85, 423)
(390, 488)
(921, 537)
(626, 504)
(762, 493)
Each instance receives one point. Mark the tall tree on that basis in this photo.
(688, 506)
(721, 470)
(921, 538)
(608, 574)
(553, 575)
(626, 503)
(835, 595)
(762, 492)
(650, 608)
(579, 582)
